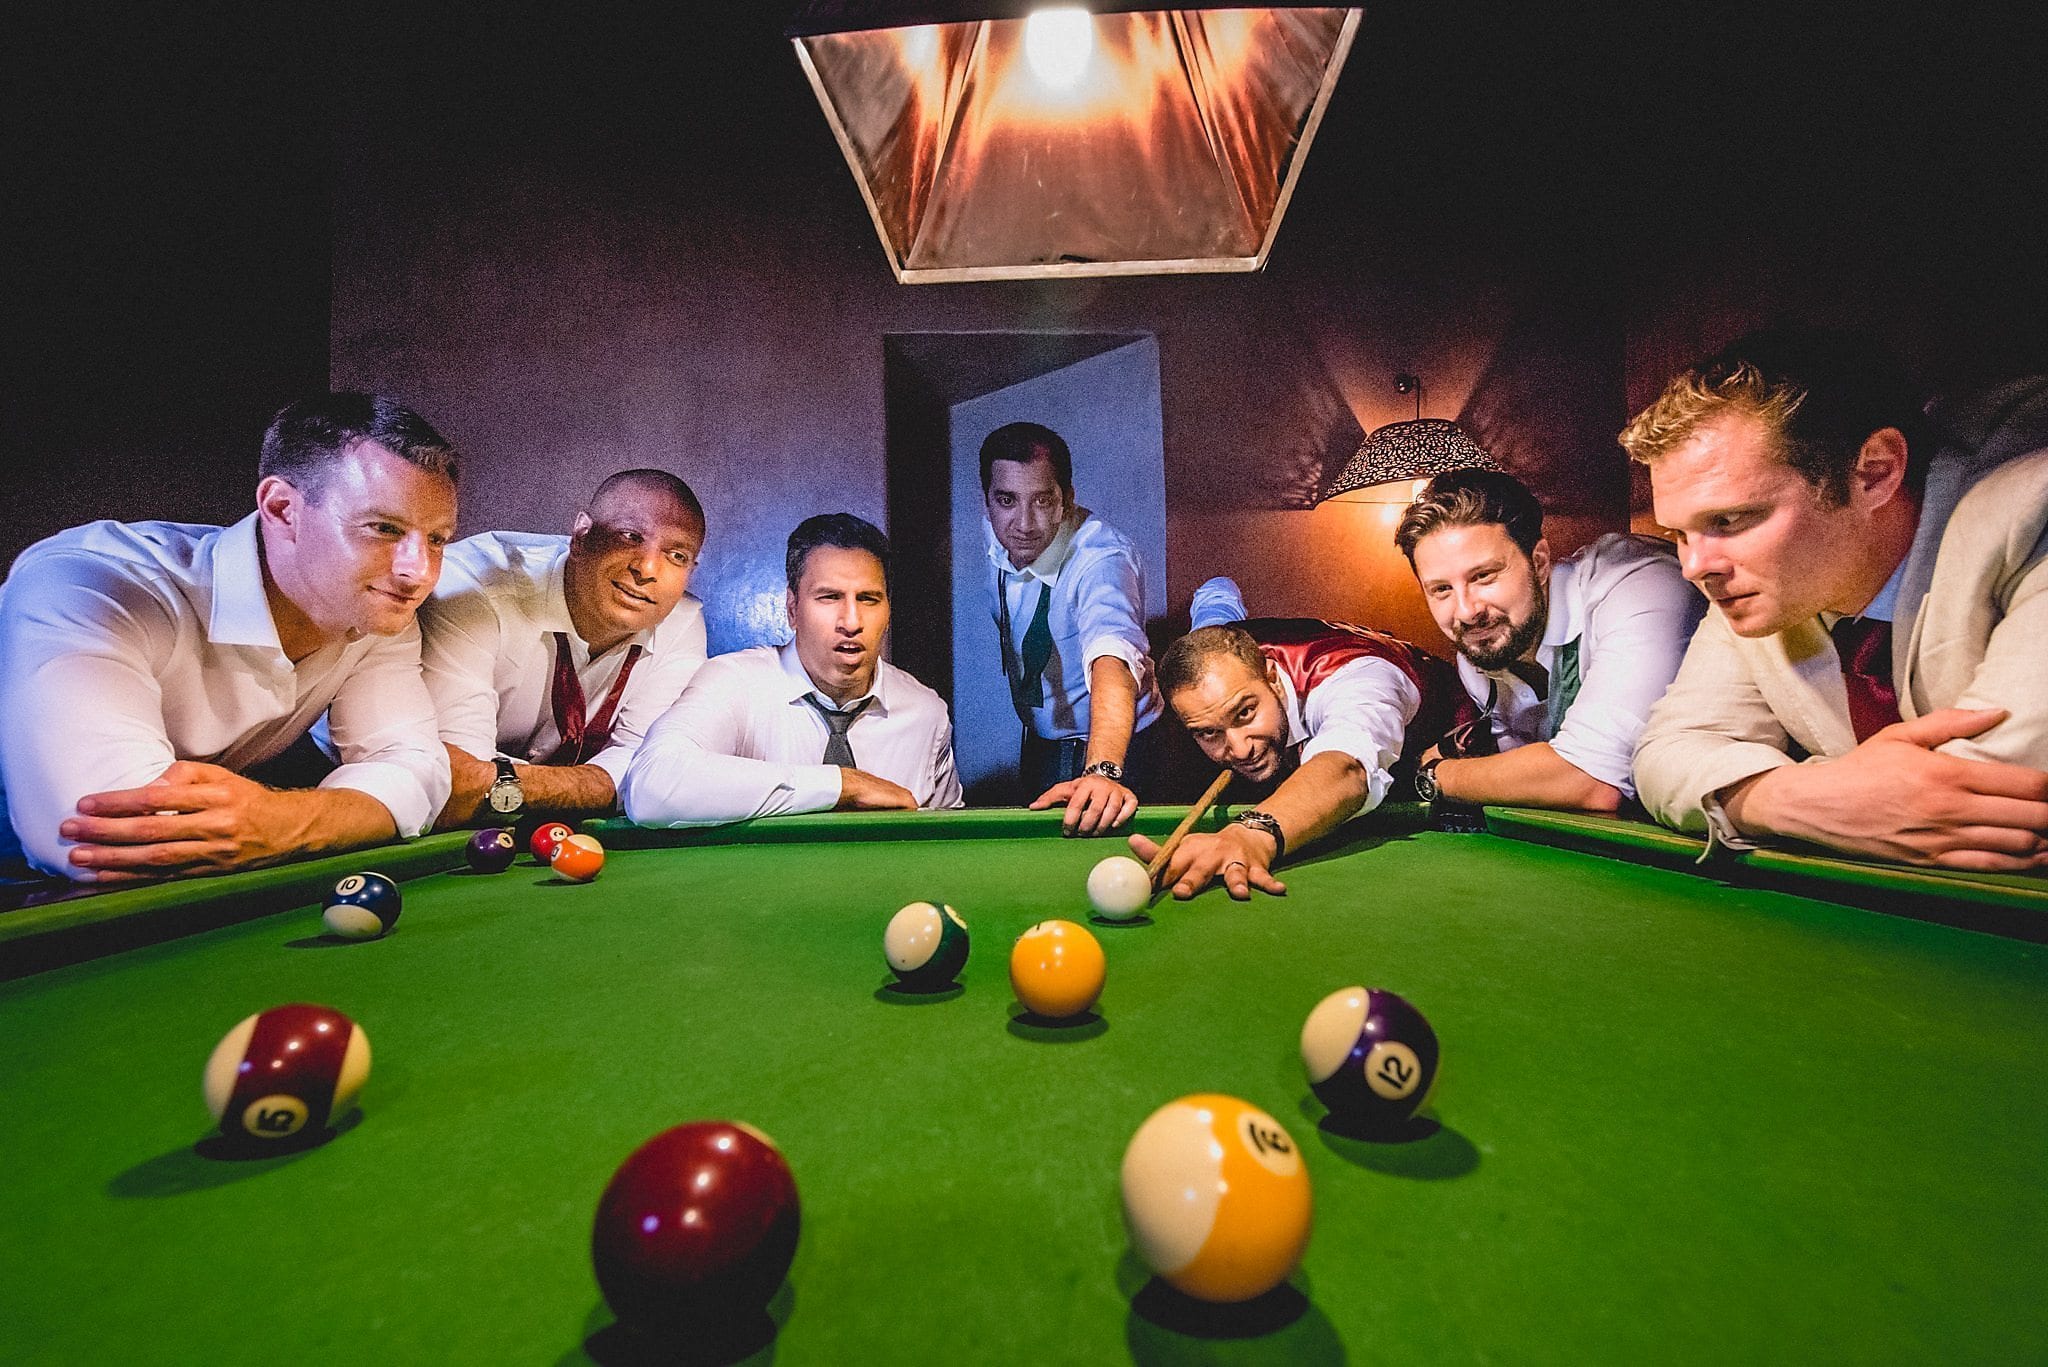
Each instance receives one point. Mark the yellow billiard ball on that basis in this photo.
(1056, 969)
(1216, 1197)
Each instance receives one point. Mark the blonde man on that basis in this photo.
(1870, 676)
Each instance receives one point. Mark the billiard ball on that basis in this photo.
(491, 851)
(926, 945)
(1056, 969)
(1118, 888)
(546, 836)
(1216, 1198)
(1370, 1056)
(578, 859)
(362, 906)
(284, 1071)
(698, 1226)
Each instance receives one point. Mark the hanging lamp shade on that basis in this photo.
(1004, 141)
(1393, 460)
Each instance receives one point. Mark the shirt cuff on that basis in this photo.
(397, 787)
(1605, 766)
(813, 787)
(1111, 648)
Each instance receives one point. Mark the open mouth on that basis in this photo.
(632, 595)
(850, 651)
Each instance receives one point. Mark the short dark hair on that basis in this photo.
(1472, 497)
(1025, 442)
(842, 530)
(1820, 393)
(649, 481)
(307, 436)
(1187, 660)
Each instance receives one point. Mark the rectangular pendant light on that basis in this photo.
(993, 141)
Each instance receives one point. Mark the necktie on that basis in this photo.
(1026, 669)
(1564, 680)
(1865, 646)
(838, 749)
(582, 736)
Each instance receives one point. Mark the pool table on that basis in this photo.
(1682, 1118)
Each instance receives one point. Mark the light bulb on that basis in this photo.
(1057, 43)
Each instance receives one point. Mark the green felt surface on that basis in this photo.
(1681, 1122)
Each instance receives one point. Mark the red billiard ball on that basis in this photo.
(578, 859)
(285, 1071)
(545, 837)
(696, 1229)
(491, 851)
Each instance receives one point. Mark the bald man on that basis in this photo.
(549, 656)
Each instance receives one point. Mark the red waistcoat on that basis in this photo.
(1308, 651)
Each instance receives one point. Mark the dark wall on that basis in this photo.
(166, 204)
(595, 242)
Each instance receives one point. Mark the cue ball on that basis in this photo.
(700, 1223)
(362, 906)
(926, 945)
(286, 1070)
(491, 851)
(1119, 888)
(1056, 969)
(1370, 1055)
(578, 859)
(546, 836)
(1216, 1198)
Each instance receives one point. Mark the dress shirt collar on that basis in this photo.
(798, 682)
(1567, 615)
(241, 610)
(1290, 709)
(1885, 607)
(1051, 560)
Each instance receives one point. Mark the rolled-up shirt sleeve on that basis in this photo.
(1362, 710)
(460, 641)
(1644, 622)
(686, 774)
(649, 698)
(945, 778)
(81, 710)
(385, 733)
(1109, 611)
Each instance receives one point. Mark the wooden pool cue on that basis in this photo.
(1195, 813)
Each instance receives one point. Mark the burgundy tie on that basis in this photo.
(582, 736)
(1865, 646)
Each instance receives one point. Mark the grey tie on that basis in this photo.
(838, 749)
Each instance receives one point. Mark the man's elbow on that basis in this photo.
(1600, 799)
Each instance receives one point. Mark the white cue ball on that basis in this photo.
(1119, 888)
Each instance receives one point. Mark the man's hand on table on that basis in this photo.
(1239, 856)
(1095, 804)
(195, 818)
(860, 791)
(1896, 797)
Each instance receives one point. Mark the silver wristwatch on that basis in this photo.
(1426, 786)
(1256, 820)
(506, 797)
(1105, 768)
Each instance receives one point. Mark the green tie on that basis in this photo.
(1027, 687)
(1564, 685)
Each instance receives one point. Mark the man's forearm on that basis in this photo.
(568, 790)
(1318, 796)
(1112, 709)
(322, 820)
(1527, 776)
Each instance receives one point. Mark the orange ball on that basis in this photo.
(578, 858)
(1056, 969)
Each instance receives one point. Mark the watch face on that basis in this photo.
(506, 797)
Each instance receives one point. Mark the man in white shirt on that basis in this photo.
(550, 656)
(1327, 709)
(1566, 657)
(143, 666)
(821, 724)
(1067, 592)
(1871, 676)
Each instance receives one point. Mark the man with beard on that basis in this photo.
(1566, 656)
(1327, 710)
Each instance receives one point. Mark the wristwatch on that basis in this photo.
(1426, 786)
(506, 796)
(1265, 822)
(1105, 768)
